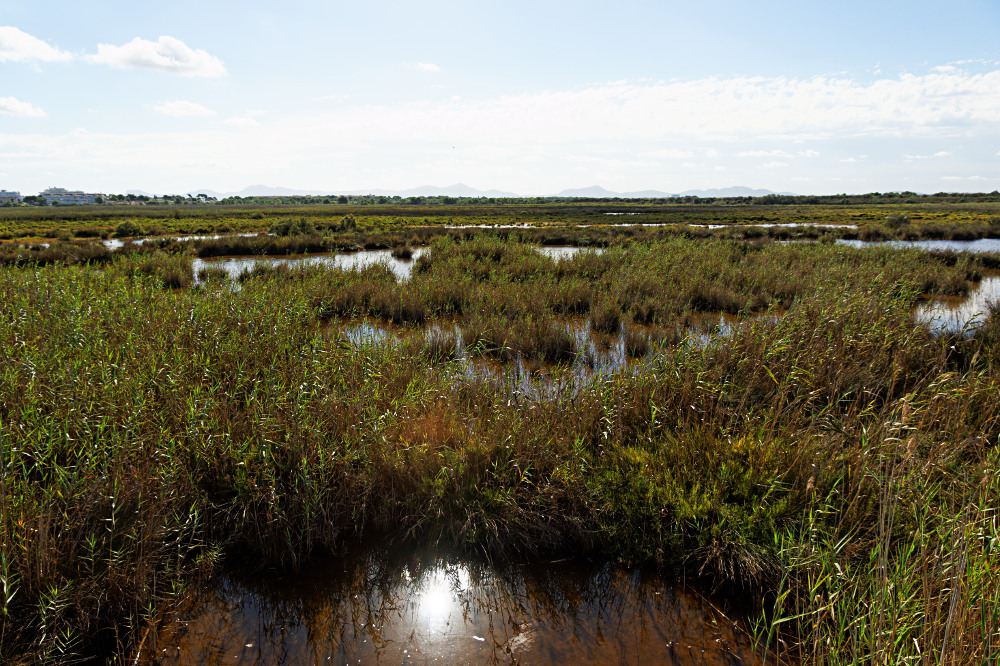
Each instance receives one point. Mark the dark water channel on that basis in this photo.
(377, 605)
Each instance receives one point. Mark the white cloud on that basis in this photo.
(167, 54)
(667, 154)
(763, 153)
(775, 165)
(19, 46)
(183, 109)
(940, 153)
(9, 106)
(809, 153)
(423, 66)
(241, 122)
(530, 142)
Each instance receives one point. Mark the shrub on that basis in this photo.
(128, 228)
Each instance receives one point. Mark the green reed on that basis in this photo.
(829, 458)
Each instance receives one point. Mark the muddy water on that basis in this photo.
(234, 266)
(385, 606)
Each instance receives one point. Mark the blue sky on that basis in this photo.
(529, 97)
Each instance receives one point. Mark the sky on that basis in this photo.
(527, 97)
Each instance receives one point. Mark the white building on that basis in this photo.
(61, 196)
(9, 197)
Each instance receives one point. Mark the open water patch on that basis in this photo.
(980, 245)
(116, 243)
(956, 314)
(236, 266)
(404, 606)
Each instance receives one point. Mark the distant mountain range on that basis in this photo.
(461, 190)
(598, 192)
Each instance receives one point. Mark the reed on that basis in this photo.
(832, 461)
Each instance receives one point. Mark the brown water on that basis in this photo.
(386, 606)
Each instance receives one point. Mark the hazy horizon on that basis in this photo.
(527, 98)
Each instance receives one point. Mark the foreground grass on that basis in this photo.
(837, 463)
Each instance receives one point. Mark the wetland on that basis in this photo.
(602, 442)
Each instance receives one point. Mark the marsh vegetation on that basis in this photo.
(831, 459)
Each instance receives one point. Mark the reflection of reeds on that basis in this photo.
(438, 346)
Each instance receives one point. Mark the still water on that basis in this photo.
(954, 314)
(378, 605)
(234, 266)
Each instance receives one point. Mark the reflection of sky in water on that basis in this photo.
(344, 260)
(115, 243)
(559, 252)
(981, 245)
(954, 314)
(382, 606)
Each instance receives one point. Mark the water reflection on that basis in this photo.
(234, 266)
(559, 252)
(377, 605)
(765, 225)
(954, 314)
(115, 243)
(981, 245)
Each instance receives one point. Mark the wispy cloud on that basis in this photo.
(9, 106)
(18, 46)
(423, 66)
(243, 122)
(167, 54)
(763, 153)
(183, 109)
(940, 153)
(520, 141)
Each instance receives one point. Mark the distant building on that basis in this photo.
(61, 196)
(10, 197)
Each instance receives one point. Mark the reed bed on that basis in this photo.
(833, 462)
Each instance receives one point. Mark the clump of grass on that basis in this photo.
(439, 346)
(402, 253)
(636, 343)
(213, 274)
(606, 317)
(287, 227)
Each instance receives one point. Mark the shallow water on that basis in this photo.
(115, 243)
(234, 266)
(382, 605)
(953, 314)
(981, 245)
(559, 252)
(790, 225)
